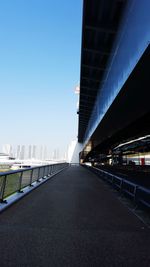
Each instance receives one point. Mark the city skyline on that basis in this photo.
(32, 151)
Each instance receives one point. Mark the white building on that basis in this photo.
(7, 149)
(73, 152)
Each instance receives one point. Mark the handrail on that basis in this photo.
(139, 194)
(14, 181)
(26, 169)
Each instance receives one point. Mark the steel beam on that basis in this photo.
(90, 79)
(93, 67)
(95, 51)
(107, 29)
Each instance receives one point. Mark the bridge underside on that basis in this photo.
(100, 26)
(114, 83)
(129, 115)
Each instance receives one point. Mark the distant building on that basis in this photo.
(45, 153)
(7, 149)
(56, 154)
(41, 153)
(18, 151)
(34, 150)
(73, 152)
(22, 152)
(5, 162)
(30, 152)
(4, 156)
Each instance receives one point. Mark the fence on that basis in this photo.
(14, 181)
(139, 194)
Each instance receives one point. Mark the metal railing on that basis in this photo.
(14, 181)
(139, 194)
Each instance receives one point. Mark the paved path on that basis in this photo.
(72, 220)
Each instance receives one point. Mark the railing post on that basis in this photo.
(3, 190)
(44, 173)
(56, 169)
(49, 170)
(38, 175)
(31, 175)
(20, 182)
(52, 169)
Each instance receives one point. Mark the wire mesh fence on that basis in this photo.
(14, 181)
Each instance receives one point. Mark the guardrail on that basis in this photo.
(15, 181)
(139, 194)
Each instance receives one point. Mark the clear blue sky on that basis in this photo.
(40, 43)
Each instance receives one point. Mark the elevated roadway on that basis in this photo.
(72, 220)
(114, 80)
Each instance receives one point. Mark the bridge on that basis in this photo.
(95, 213)
(114, 82)
(73, 219)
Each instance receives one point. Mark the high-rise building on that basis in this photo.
(7, 149)
(29, 152)
(22, 152)
(54, 154)
(45, 153)
(18, 152)
(34, 150)
(41, 153)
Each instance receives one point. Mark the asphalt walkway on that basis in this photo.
(72, 220)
